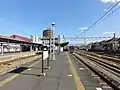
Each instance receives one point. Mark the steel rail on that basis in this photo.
(103, 72)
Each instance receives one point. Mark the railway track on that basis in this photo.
(116, 60)
(109, 72)
(12, 64)
(15, 60)
(110, 54)
(113, 65)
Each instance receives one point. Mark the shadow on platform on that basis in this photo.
(21, 70)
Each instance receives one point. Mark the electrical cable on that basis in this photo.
(101, 17)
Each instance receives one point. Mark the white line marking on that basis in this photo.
(98, 88)
(105, 87)
(103, 83)
(29, 69)
(70, 75)
(81, 68)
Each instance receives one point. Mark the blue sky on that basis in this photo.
(30, 17)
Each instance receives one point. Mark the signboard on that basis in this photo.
(45, 55)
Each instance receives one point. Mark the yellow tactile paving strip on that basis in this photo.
(78, 83)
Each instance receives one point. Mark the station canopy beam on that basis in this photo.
(6, 40)
(62, 44)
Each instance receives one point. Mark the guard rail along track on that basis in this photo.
(106, 70)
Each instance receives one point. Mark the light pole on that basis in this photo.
(58, 44)
(49, 52)
(53, 42)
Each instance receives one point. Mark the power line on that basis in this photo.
(109, 14)
(101, 17)
(105, 10)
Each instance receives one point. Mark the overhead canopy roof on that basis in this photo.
(62, 44)
(17, 41)
(9, 40)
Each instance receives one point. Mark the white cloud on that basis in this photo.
(109, 1)
(105, 10)
(82, 29)
(108, 32)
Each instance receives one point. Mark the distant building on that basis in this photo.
(112, 44)
(36, 39)
(12, 47)
(48, 33)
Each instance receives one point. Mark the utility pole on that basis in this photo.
(50, 47)
(85, 43)
(114, 42)
(43, 58)
(58, 44)
(53, 28)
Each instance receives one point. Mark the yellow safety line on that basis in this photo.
(76, 77)
(8, 79)
(5, 81)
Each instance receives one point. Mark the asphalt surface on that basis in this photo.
(28, 76)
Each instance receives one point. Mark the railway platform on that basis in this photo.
(64, 74)
(11, 56)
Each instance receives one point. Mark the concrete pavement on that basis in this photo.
(27, 77)
(65, 74)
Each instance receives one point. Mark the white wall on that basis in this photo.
(11, 47)
(36, 39)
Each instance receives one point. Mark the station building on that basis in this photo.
(12, 47)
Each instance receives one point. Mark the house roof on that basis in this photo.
(111, 40)
(21, 38)
(4, 39)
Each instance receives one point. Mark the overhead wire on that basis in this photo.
(110, 9)
(101, 14)
(105, 10)
(109, 14)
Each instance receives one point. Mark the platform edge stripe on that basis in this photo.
(76, 77)
(8, 80)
